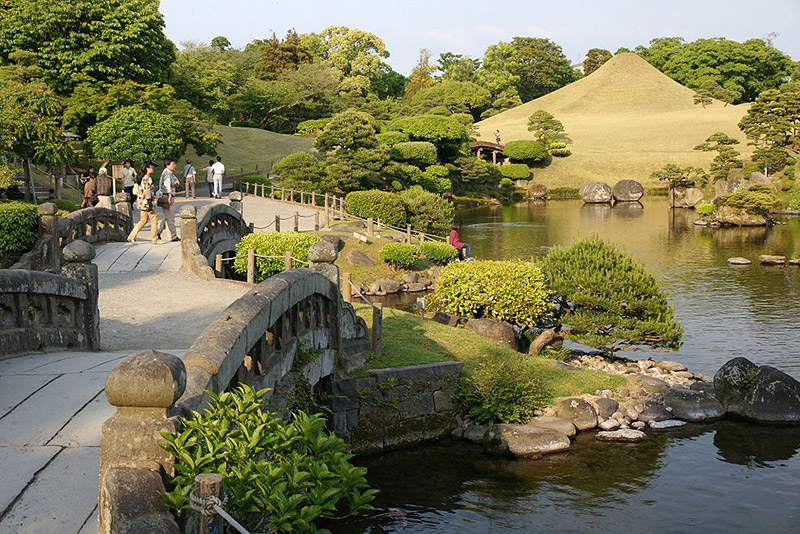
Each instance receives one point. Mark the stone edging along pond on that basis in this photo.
(667, 396)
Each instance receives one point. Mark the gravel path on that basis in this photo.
(164, 309)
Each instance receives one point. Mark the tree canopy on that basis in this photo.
(595, 58)
(137, 134)
(544, 126)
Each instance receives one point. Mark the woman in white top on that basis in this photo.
(210, 177)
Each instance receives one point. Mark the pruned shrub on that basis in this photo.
(438, 252)
(558, 149)
(475, 170)
(513, 291)
(312, 126)
(419, 153)
(757, 199)
(705, 209)
(506, 183)
(427, 212)
(280, 474)
(432, 128)
(525, 151)
(464, 118)
(399, 255)
(19, 229)
(515, 171)
(388, 207)
(502, 389)
(301, 170)
(436, 179)
(272, 244)
(64, 204)
(615, 297)
(392, 138)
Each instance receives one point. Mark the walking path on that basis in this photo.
(53, 405)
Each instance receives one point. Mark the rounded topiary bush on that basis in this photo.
(705, 209)
(439, 252)
(312, 126)
(559, 149)
(506, 183)
(515, 171)
(392, 138)
(525, 151)
(436, 179)
(272, 244)
(388, 207)
(427, 212)
(419, 153)
(399, 255)
(513, 291)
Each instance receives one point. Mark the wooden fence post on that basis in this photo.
(370, 227)
(283, 194)
(327, 215)
(313, 198)
(207, 485)
(316, 220)
(296, 221)
(421, 238)
(377, 328)
(302, 197)
(272, 191)
(277, 223)
(252, 227)
(291, 195)
(408, 234)
(287, 261)
(220, 272)
(251, 266)
(347, 291)
(263, 189)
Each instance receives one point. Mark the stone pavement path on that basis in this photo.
(52, 407)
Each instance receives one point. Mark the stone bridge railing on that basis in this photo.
(91, 225)
(40, 310)
(255, 341)
(214, 229)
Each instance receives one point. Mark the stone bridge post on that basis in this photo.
(321, 256)
(143, 386)
(235, 199)
(48, 230)
(192, 260)
(78, 256)
(123, 204)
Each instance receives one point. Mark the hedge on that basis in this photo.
(513, 291)
(312, 126)
(388, 207)
(515, 171)
(436, 251)
(419, 153)
(432, 128)
(19, 227)
(559, 149)
(272, 244)
(525, 150)
(392, 138)
(400, 255)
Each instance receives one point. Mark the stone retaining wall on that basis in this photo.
(394, 408)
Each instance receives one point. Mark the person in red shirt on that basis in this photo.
(463, 248)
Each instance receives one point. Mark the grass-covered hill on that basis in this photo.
(624, 120)
(246, 147)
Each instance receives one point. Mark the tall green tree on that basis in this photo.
(727, 157)
(137, 134)
(544, 125)
(356, 53)
(595, 58)
(97, 40)
(275, 56)
(421, 75)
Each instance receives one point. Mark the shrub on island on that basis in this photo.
(272, 244)
(525, 151)
(438, 252)
(399, 255)
(515, 171)
(513, 291)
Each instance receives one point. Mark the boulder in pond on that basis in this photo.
(389, 286)
(606, 407)
(666, 424)
(595, 193)
(762, 394)
(685, 197)
(624, 434)
(693, 406)
(499, 331)
(555, 423)
(772, 259)
(739, 261)
(655, 413)
(627, 191)
(524, 440)
(731, 216)
(579, 412)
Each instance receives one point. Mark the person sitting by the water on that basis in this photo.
(463, 248)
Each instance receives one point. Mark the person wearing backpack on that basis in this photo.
(147, 206)
(189, 181)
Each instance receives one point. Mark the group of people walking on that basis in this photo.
(147, 199)
(215, 172)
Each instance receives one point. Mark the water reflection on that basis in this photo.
(596, 211)
(628, 210)
(756, 445)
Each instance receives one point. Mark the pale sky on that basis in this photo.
(469, 26)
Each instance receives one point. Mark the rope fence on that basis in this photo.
(208, 499)
(377, 312)
(288, 259)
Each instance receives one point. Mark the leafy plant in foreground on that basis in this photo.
(284, 473)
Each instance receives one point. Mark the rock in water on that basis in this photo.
(579, 412)
(597, 192)
(739, 261)
(627, 191)
(524, 440)
(625, 434)
(770, 259)
(555, 423)
(499, 331)
(609, 424)
(763, 393)
(656, 412)
(693, 406)
(666, 425)
(667, 365)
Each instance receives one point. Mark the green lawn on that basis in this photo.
(410, 340)
(244, 148)
(623, 121)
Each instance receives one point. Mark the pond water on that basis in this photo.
(723, 477)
